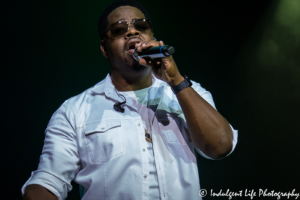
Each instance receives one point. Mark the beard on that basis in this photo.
(136, 67)
(133, 65)
(127, 64)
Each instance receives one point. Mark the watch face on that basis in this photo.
(187, 78)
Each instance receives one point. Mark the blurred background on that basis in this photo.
(246, 53)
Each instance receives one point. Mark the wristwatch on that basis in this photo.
(184, 84)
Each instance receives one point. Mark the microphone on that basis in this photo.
(154, 52)
(118, 106)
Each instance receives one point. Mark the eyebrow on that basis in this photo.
(121, 19)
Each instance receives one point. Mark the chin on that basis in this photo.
(134, 65)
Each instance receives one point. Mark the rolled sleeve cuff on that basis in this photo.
(48, 181)
(234, 142)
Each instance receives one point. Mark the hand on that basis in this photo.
(163, 68)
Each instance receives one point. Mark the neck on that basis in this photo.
(131, 83)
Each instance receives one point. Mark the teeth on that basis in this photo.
(132, 46)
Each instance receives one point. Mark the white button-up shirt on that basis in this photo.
(105, 151)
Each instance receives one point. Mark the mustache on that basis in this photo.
(131, 38)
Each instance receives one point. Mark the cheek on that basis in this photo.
(150, 35)
(116, 50)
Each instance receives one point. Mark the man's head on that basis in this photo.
(118, 47)
(103, 21)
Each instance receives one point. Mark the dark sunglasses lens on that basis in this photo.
(141, 25)
(118, 29)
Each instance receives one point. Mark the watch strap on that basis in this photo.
(182, 85)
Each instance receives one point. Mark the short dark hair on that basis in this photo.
(103, 22)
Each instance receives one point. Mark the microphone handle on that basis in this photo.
(154, 52)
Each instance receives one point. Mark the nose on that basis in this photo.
(131, 31)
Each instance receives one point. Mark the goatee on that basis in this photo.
(136, 67)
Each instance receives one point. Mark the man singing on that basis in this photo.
(133, 135)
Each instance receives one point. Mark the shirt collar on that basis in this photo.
(106, 87)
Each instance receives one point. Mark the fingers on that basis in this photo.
(149, 62)
(161, 43)
(146, 61)
(147, 44)
(156, 64)
(157, 68)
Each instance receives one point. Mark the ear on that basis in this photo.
(103, 50)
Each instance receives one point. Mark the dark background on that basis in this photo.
(246, 53)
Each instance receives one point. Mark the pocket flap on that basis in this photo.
(101, 126)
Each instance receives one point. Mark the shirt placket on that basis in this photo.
(145, 165)
(145, 161)
(158, 161)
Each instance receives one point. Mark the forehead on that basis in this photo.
(126, 13)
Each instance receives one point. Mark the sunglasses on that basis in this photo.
(118, 28)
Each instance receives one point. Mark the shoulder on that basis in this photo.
(81, 99)
(75, 104)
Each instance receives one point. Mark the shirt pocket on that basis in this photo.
(175, 131)
(104, 140)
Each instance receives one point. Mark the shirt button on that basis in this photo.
(139, 124)
(145, 176)
(143, 150)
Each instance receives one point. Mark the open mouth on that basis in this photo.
(130, 46)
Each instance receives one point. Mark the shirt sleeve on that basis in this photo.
(59, 162)
(208, 97)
